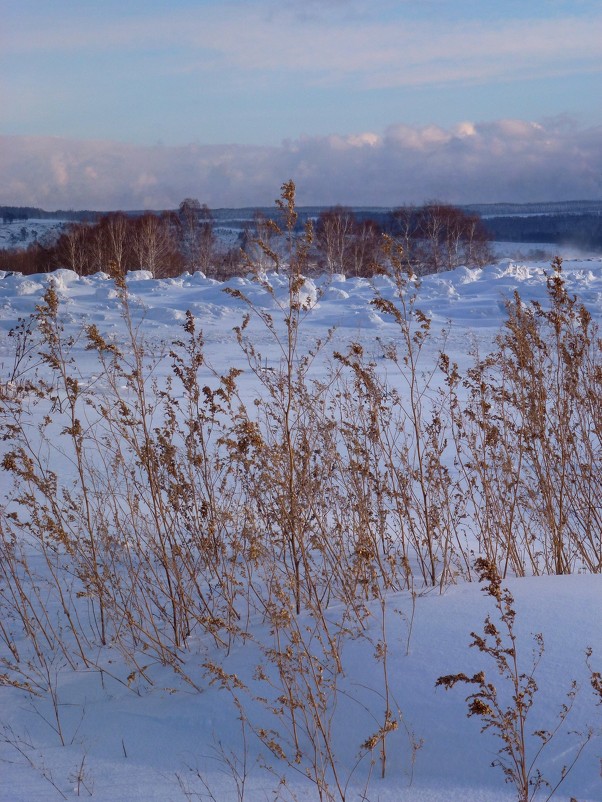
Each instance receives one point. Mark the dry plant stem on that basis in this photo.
(60, 362)
(517, 759)
(529, 444)
(491, 463)
(422, 503)
(25, 749)
(166, 499)
(145, 449)
(284, 440)
(299, 566)
(548, 358)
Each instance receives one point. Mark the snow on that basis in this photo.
(21, 234)
(128, 741)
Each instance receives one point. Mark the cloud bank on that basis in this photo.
(503, 160)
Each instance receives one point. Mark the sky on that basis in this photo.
(140, 103)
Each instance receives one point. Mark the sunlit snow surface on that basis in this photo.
(135, 745)
(468, 302)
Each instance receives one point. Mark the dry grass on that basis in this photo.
(189, 511)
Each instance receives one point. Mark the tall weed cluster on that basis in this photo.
(529, 442)
(188, 512)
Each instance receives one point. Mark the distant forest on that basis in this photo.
(434, 237)
(584, 230)
(431, 238)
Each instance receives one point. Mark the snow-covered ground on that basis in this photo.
(164, 742)
(22, 233)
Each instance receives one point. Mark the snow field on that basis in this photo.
(128, 739)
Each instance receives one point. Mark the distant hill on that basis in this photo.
(555, 208)
(15, 214)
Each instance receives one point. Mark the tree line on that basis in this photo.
(10, 214)
(434, 237)
(583, 230)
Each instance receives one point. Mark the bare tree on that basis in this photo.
(154, 245)
(366, 247)
(259, 241)
(71, 250)
(197, 237)
(334, 229)
(437, 237)
(114, 227)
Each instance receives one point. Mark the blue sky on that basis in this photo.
(221, 80)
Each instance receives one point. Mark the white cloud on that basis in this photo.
(465, 129)
(474, 162)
